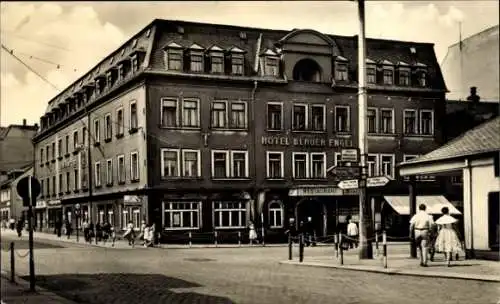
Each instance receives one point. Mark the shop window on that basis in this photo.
(229, 215)
(181, 215)
(276, 214)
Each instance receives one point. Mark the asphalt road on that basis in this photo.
(221, 275)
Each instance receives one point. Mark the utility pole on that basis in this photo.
(365, 225)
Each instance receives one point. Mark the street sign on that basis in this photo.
(341, 173)
(377, 181)
(349, 155)
(24, 186)
(349, 184)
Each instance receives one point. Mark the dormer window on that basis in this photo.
(216, 60)
(134, 63)
(404, 73)
(109, 79)
(371, 71)
(196, 58)
(271, 63)
(173, 57)
(421, 71)
(341, 73)
(121, 72)
(388, 72)
(237, 61)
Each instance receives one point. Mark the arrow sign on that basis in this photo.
(348, 184)
(377, 181)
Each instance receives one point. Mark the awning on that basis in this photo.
(434, 203)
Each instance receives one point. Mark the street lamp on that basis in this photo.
(77, 215)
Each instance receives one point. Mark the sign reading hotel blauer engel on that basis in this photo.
(306, 141)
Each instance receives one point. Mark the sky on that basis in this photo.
(63, 40)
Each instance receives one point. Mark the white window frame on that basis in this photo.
(323, 106)
(75, 144)
(162, 161)
(307, 164)
(402, 70)
(97, 130)
(416, 126)
(274, 103)
(122, 156)
(242, 214)
(136, 219)
(306, 119)
(245, 117)
(232, 152)
(339, 73)
(109, 171)
(197, 100)
(198, 162)
(198, 54)
(348, 119)
(282, 165)
(393, 163)
(420, 121)
(391, 69)
(393, 127)
(171, 211)
(311, 164)
(120, 127)
(226, 114)
(177, 120)
(167, 53)
(273, 216)
(97, 174)
(275, 70)
(106, 130)
(377, 117)
(125, 218)
(228, 166)
(131, 125)
(138, 166)
(221, 56)
(376, 166)
(337, 158)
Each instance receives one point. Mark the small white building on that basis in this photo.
(476, 154)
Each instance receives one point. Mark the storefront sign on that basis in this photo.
(68, 163)
(132, 200)
(316, 191)
(54, 202)
(41, 204)
(306, 141)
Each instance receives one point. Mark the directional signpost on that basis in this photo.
(377, 181)
(349, 184)
(29, 188)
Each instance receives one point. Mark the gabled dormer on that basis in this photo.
(404, 72)
(387, 68)
(137, 57)
(88, 89)
(270, 63)
(63, 107)
(100, 83)
(341, 67)
(173, 56)
(111, 77)
(123, 68)
(371, 71)
(216, 59)
(420, 71)
(237, 60)
(195, 53)
(70, 101)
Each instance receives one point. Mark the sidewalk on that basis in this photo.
(18, 292)
(402, 264)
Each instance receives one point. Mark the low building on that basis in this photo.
(476, 155)
(11, 204)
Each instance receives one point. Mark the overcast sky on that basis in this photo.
(76, 35)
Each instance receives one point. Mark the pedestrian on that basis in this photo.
(352, 234)
(130, 234)
(58, 227)
(148, 236)
(292, 230)
(252, 234)
(68, 228)
(12, 223)
(86, 233)
(447, 240)
(98, 232)
(91, 231)
(420, 225)
(112, 236)
(106, 231)
(19, 226)
(141, 232)
(311, 232)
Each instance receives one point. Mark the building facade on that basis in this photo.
(11, 204)
(201, 128)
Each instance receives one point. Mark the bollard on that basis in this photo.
(190, 239)
(12, 263)
(377, 252)
(239, 238)
(215, 238)
(341, 250)
(290, 246)
(384, 244)
(301, 247)
(336, 243)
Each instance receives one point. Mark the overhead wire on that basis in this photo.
(35, 41)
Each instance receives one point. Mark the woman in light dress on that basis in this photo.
(447, 240)
(130, 234)
(252, 235)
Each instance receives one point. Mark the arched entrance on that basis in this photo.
(307, 70)
(315, 209)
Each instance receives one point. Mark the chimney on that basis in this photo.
(473, 95)
(24, 122)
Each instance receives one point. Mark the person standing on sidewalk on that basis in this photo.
(420, 225)
(447, 240)
(252, 234)
(352, 233)
(68, 228)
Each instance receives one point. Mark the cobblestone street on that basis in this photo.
(222, 275)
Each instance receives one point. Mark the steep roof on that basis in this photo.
(482, 139)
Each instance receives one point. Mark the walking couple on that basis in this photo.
(447, 241)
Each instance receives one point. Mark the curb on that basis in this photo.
(392, 271)
(38, 290)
